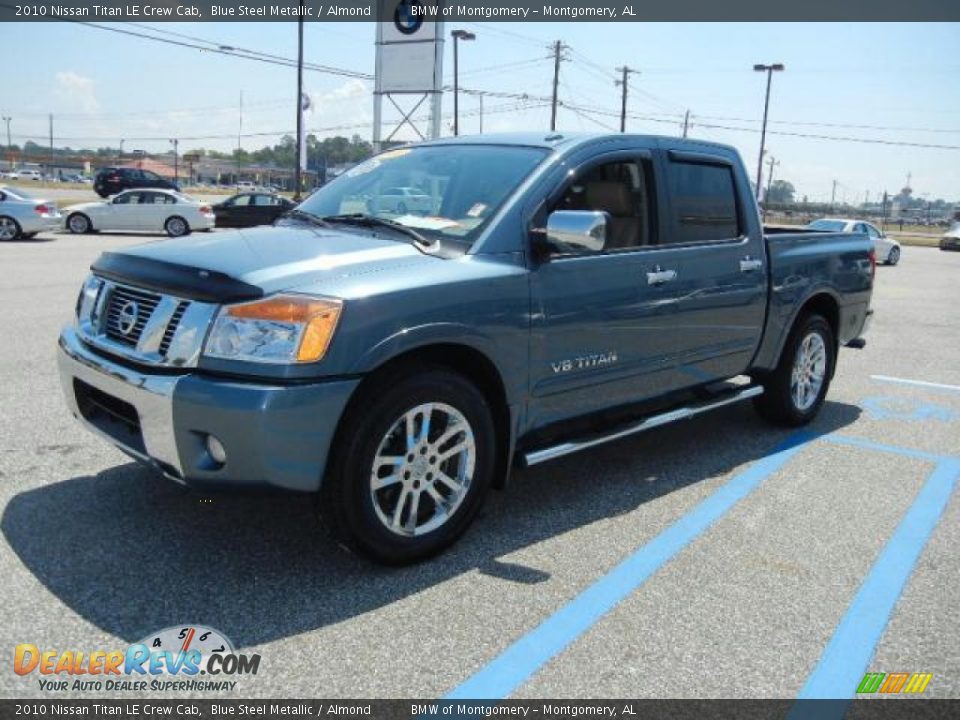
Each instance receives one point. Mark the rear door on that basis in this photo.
(715, 247)
(155, 208)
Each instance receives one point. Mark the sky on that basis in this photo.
(900, 79)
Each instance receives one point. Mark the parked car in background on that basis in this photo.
(403, 200)
(111, 180)
(246, 186)
(10, 175)
(34, 175)
(951, 238)
(251, 209)
(23, 216)
(143, 210)
(886, 247)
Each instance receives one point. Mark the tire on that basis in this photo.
(176, 226)
(380, 522)
(893, 257)
(9, 228)
(28, 236)
(78, 224)
(810, 345)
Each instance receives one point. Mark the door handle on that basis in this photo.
(659, 277)
(748, 264)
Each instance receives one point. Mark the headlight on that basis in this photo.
(87, 300)
(281, 329)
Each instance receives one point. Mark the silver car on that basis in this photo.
(23, 216)
(886, 247)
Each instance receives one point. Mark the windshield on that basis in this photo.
(446, 191)
(828, 225)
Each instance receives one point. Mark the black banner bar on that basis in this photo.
(874, 709)
(486, 11)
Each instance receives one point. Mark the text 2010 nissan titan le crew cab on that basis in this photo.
(554, 293)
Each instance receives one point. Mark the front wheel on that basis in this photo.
(413, 461)
(78, 223)
(795, 391)
(894, 256)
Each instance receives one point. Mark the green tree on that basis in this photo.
(781, 191)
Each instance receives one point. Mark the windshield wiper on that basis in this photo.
(364, 220)
(306, 216)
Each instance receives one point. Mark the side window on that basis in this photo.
(703, 202)
(623, 190)
(264, 200)
(241, 201)
(126, 199)
(859, 228)
(151, 176)
(872, 231)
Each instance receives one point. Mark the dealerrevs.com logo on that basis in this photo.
(181, 658)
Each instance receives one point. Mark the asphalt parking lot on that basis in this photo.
(715, 558)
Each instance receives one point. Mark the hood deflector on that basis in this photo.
(191, 283)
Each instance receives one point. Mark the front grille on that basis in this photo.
(127, 313)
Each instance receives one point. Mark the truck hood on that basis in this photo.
(240, 264)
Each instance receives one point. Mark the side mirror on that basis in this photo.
(575, 231)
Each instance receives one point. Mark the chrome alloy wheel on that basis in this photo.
(423, 469)
(176, 227)
(8, 229)
(809, 371)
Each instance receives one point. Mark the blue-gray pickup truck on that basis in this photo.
(538, 295)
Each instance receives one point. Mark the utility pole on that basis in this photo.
(240, 126)
(50, 168)
(769, 70)
(7, 120)
(297, 170)
(833, 195)
(771, 161)
(623, 95)
(558, 48)
(686, 122)
(458, 35)
(176, 169)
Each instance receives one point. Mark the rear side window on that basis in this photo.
(703, 202)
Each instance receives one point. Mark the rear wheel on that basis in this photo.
(176, 226)
(795, 391)
(412, 464)
(78, 223)
(9, 228)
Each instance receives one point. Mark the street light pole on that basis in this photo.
(458, 35)
(176, 169)
(296, 173)
(7, 120)
(769, 70)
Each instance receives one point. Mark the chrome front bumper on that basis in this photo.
(150, 395)
(274, 434)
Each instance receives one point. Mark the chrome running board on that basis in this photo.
(536, 457)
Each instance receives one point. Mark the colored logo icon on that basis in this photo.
(406, 17)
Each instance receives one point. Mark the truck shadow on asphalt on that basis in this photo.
(133, 553)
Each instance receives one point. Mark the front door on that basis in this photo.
(599, 330)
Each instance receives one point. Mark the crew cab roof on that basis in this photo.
(558, 140)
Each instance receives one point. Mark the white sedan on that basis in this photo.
(23, 216)
(886, 248)
(151, 210)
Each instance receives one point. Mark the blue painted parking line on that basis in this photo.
(512, 667)
(881, 447)
(845, 658)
